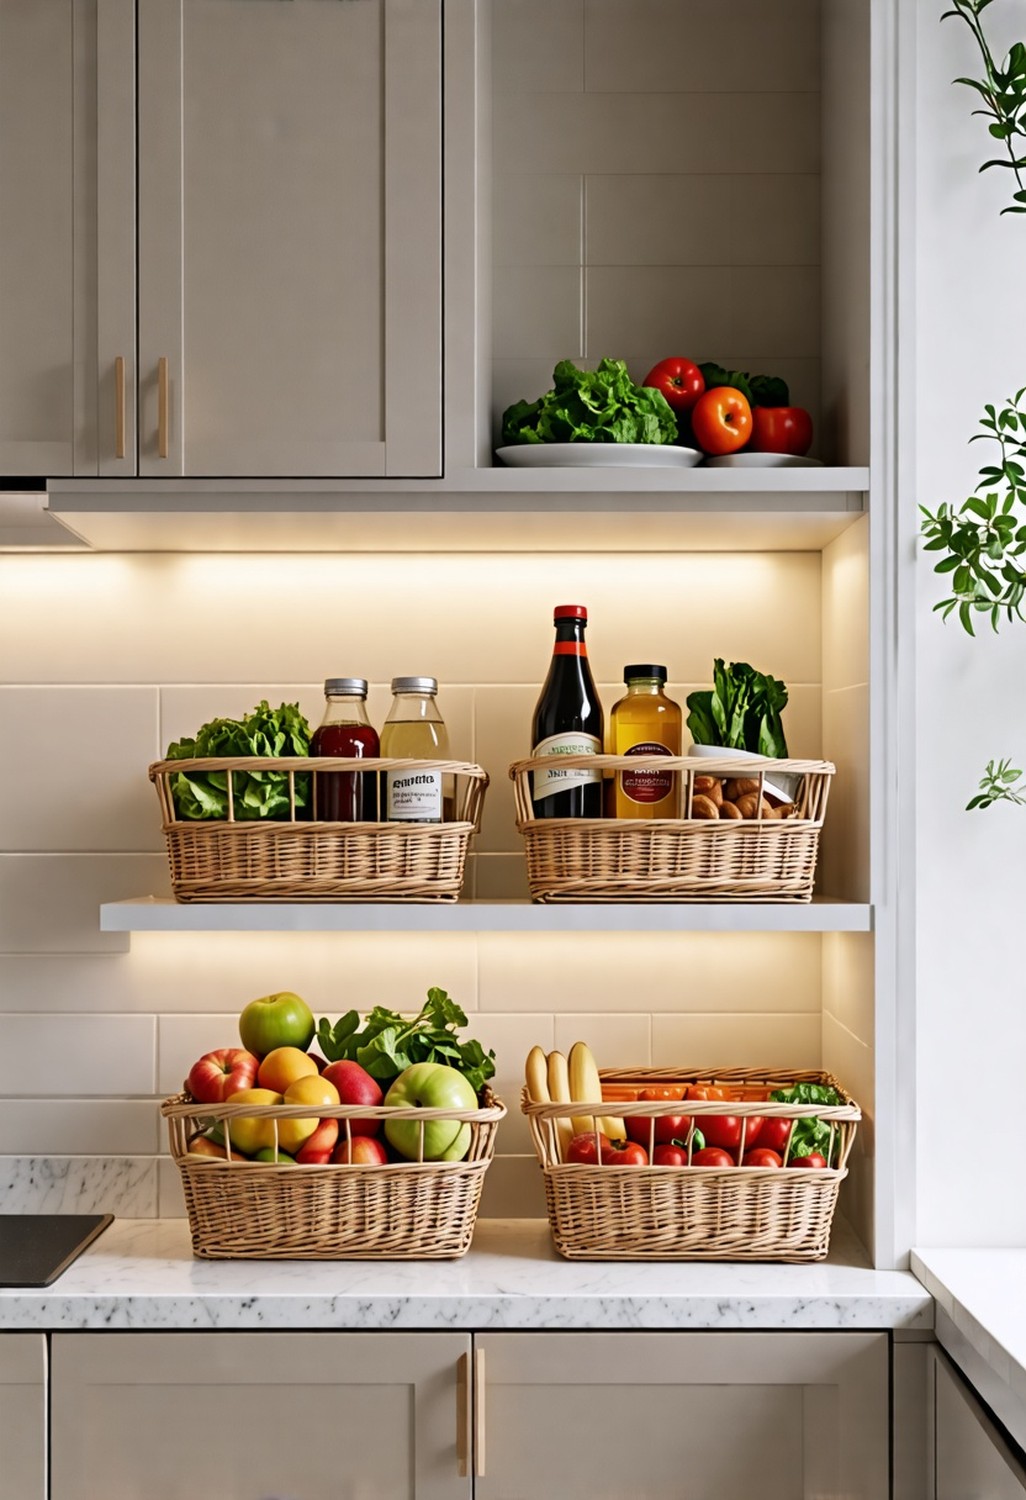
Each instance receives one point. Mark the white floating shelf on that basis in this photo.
(153, 914)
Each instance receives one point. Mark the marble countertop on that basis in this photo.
(981, 1322)
(140, 1273)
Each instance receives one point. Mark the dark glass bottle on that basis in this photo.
(568, 721)
(345, 730)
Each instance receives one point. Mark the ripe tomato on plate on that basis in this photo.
(721, 420)
(680, 380)
(781, 429)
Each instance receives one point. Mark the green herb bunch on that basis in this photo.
(809, 1134)
(1002, 90)
(983, 540)
(282, 731)
(592, 406)
(388, 1042)
(741, 712)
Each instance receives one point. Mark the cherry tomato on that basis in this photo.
(774, 1132)
(680, 381)
(670, 1154)
(725, 1130)
(667, 1128)
(761, 1158)
(781, 429)
(721, 420)
(712, 1156)
(814, 1160)
(624, 1154)
(583, 1149)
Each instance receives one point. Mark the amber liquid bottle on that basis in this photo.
(567, 721)
(645, 722)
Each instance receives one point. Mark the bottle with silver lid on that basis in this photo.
(415, 730)
(345, 730)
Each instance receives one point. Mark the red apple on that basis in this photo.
(218, 1075)
(317, 1148)
(362, 1151)
(355, 1086)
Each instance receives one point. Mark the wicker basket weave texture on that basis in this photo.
(693, 1213)
(675, 859)
(402, 1211)
(298, 860)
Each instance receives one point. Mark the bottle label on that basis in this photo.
(414, 796)
(646, 786)
(548, 783)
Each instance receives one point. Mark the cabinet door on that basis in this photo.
(22, 1416)
(972, 1461)
(244, 1416)
(67, 237)
(661, 1416)
(289, 237)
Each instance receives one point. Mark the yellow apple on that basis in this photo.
(251, 1133)
(313, 1090)
(283, 1066)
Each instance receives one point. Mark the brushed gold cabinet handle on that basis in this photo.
(479, 1414)
(463, 1416)
(119, 406)
(162, 407)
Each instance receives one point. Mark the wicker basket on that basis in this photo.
(299, 859)
(675, 859)
(692, 1213)
(416, 1210)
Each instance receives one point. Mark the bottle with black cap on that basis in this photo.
(568, 721)
(645, 722)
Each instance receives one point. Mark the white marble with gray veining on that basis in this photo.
(79, 1185)
(141, 1274)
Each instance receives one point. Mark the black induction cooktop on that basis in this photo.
(36, 1248)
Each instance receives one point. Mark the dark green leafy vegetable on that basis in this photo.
(389, 1042)
(759, 390)
(592, 406)
(742, 712)
(810, 1134)
(257, 794)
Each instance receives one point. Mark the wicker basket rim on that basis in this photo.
(314, 763)
(696, 763)
(183, 1106)
(750, 1077)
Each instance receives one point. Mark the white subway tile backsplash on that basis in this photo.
(658, 219)
(86, 1127)
(615, 1040)
(500, 877)
(536, 132)
(49, 903)
(849, 982)
(732, 1041)
(125, 1186)
(538, 44)
(170, 1197)
(69, 1056)
(774, 220)
(537, 219)
(538, 314)
(73, 769)
(513, 1189)
(511, 1037)
(845, 616)
(182, 1040)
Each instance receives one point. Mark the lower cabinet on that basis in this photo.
(709, 1416)
(251, 1416)
(22, 1416)
(972, 1460)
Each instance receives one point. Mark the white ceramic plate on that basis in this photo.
(763, 461)
(598, 456)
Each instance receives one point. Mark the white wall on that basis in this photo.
(970, 349)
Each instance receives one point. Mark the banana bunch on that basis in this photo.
(555, 1079)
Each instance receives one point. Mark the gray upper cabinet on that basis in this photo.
(272, 304)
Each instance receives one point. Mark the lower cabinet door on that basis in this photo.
(251, 1416)
(667, 1416)
(972, 1460)
(22, 1416)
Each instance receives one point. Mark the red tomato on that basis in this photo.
(815, 1160)
(680, 381)
(667, 1128)
(725, 1130)
(712, 1156)
(774, 1133)
(781, 429)
(583, 1149)
(670, 1155)
(624, 1154)
(721, 420)
(761, 1158)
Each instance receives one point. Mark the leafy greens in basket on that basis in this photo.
(742, 712)
(810, 1134)
(257, 794)
(592, 406)
(388, 1042)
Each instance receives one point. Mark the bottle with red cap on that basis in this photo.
(568, 721)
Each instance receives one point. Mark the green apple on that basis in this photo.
(430, 1086)
(277, 1158)
(281, 1020)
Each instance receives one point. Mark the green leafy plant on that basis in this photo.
(388, 1042)
(256, 794)
(1002, 90)
(758, 390)
(809, 1134)
(592, 406)
(999, 783)
(983, 540)
(742, 711)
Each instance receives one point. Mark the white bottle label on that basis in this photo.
(414, 796)
(548, 783)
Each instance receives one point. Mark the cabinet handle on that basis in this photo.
(463, 1416)
(162, 407)
(119, 406)
(479, 1414)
